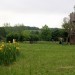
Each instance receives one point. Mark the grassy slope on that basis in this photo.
(43, 59)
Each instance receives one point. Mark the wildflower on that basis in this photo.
(0, 49)
(2, 42)
(2, 45)
(17, 48)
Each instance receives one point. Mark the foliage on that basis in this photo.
(17, 28)
(2, 33)
(34, 37)
(55, 34)
(8, 53)
(17, 36)
(25, 33)
(67, 27)
(18, 32)
(45, 33)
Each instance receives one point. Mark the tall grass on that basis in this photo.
(43, 59)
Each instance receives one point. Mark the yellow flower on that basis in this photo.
(2, 45)
(2, 42)
(17, 48)
(0, 49)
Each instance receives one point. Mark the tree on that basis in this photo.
(2, 33)
(17, 36)
(45, 33)
(67, 26)
(55, 34)
(34, 36)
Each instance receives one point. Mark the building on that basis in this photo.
(72, 27)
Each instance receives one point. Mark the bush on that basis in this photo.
(17, 36)
(8, 53)
(33, 38)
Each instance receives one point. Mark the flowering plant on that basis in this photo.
(8, 53)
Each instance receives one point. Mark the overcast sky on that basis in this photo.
(35, 12)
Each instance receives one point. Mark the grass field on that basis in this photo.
(43, 59)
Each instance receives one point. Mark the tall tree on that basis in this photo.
(67, 26)
(55, 34)
(45, 33)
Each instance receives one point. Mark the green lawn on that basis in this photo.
(43, 59)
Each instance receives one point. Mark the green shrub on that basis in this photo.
(8, 53)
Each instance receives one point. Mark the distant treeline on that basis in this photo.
(26, 33)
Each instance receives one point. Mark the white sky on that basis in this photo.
(35, 12)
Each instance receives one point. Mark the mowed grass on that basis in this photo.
(43, 59)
